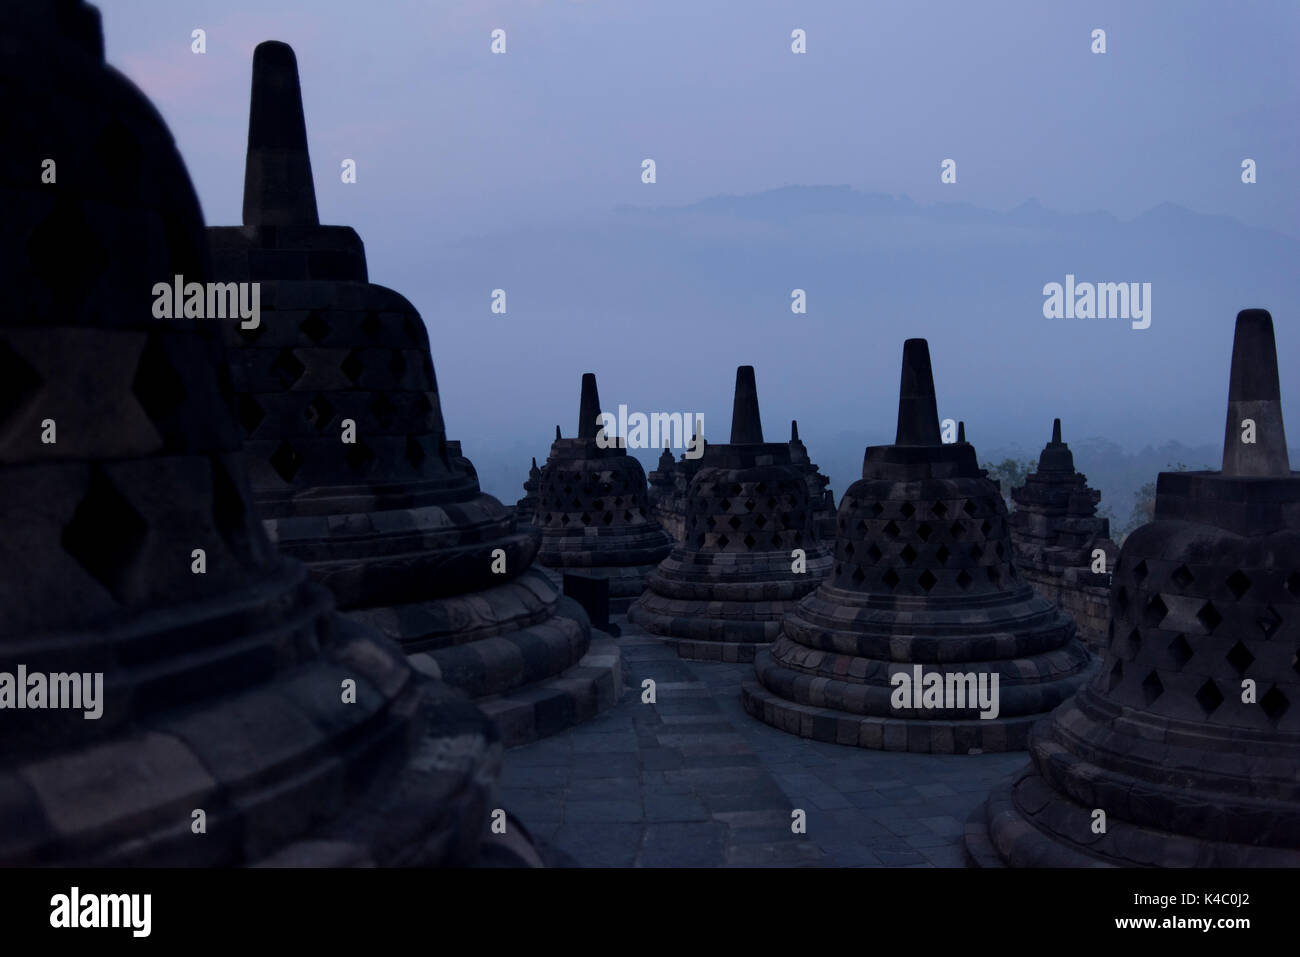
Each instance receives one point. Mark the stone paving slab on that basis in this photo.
(694, 781)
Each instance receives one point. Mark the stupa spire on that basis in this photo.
(278, 188)
(746, 426)
(589, 412)
(1254, 401)
(918, 413)
(1056, 431)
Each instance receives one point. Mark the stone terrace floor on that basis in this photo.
(693, 781)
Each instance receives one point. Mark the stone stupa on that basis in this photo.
(1060, 538)
(1188, 739)
(593, 509)
(526, 507)
(820, 496)
(393, 521)
(721, 592)
(132, 548)
(924, 585)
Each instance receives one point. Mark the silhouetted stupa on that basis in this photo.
(394, 521)
(720, 593)
(821, 498)
(526, 507)
(924, 590)
(131, 547)
(669, 483)
(1188, 738)
(593, 509)
(1056, 531)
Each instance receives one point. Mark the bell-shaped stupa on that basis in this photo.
(1063, 546)
(350, 462)
(1188, 740)
(526, 507)
(924, 637)
(820, 497)
(139, 586)
(593, 509)
(748, 552)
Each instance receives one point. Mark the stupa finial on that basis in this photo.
(1254, 440)
(746, 426)
(918, 412)
(278, 188)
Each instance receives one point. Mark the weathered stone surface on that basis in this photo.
(1056, 530)
(1189, 769)
(720, 593)
(222, 690)
(593, 510)
(393, 522)
(923, 578)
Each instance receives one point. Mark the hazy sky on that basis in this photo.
(465, 158)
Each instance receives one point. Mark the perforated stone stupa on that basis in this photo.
(820, 496)
(720, 593)
(1056, 530)
(593, 509)
(924, 584)
(1188, 738)
(131, 547)
(394, 521)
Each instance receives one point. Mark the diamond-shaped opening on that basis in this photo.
(1209, 617)
(725, 505)
(857, 575)
(723, 541)
(1209, 697)
(1154, 613)
(750, 541)
(106, 534)
(287, 368)
(359, 456)
(319, 412)
(848, 549)
(1240, 658)
(314, 327)
(1152, 688)
(963, 579)
(382, 409)
(157, 385)
(977, 552)
(876, 509)
(607, 518)
(874, 553)
(924, 531)
(1140, 572)
(371, 325)
(1180, 650)
(1238, 584)
(985, 528)
(892, 530)
(927, 580)
(760, 520)
(942, 555)
(939, 509)
(1274, 704)
(1116, 675)
(352, 366)
(891, 579)
(908, 510)
(415, 453)
(229, 511)
(908, 554)
(250, 414)
(1182, 577)
(956, 530)
(1269, 622)
(286, 460)
(969, 508)
(734, 522)
(750, 505)
(19, 382)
